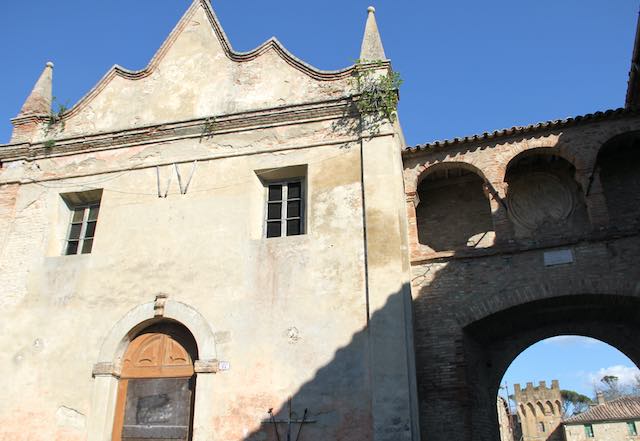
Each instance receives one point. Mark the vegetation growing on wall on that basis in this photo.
(378, 94)
(208, 128)
(55, 117)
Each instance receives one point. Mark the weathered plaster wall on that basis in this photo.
(323, 317)
(280, 308)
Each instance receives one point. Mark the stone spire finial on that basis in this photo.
(371, 49)
(39, 101)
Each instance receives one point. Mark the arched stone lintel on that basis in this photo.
(143, 315)
(505, 300)
(413, 179)
(610, 137)
(555, 149)
(426, 169)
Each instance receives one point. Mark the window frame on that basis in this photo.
(284, 200)
(631, 428)
(588, 430)
(82, 238)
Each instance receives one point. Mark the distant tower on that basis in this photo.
(540, 411)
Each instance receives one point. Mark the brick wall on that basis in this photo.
(454, 213)
(619, 170)
(476, 310)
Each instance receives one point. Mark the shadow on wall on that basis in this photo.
(338, 398)
(453, 202)
(474, 315)
(618, 165)
(471, 319)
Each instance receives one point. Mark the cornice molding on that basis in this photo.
(252, 120)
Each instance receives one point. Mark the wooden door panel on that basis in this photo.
(155, 394)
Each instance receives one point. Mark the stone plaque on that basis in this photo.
(558, 257)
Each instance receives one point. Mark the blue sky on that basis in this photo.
(576, 362)
(468, 66)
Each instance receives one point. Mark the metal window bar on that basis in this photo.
(84, 219)
(285, 205)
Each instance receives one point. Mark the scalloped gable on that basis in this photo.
(196, 74)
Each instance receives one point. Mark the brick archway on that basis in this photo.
(492, 343)
(483, 306)
(472, 320)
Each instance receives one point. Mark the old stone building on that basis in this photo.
(508, 425)
(615, 420)
(223, 233)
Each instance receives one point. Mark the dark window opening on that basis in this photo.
(285, 209)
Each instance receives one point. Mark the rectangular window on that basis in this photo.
(82, 208)
(631, 427)
(588, 430)
(285, 209)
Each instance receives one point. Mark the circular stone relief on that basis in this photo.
(539, 198)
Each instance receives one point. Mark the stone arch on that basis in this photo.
(494, 341)
(551, 144)
(532, 410)
(417, 170)
(489, 305)
(599, 139)
(106, 370)
(541, 407)
(453, 208)
(143, 315)
(616, 175)
(559, 407)
(426, 169)
(545, 151)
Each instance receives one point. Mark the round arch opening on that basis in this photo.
(618, 167)
(453, 210)
(492, 343)
(156, 389)
(550, 384)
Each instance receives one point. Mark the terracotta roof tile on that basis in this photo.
(516, 130)
(625, 408)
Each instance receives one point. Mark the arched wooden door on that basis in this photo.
(156, 390)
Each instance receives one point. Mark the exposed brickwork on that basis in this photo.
(454, 213)
(22, 227)
(476, 310)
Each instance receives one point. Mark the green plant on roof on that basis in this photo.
(55, 117)
(378, 94)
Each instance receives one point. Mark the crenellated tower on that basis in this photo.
(540, 411)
